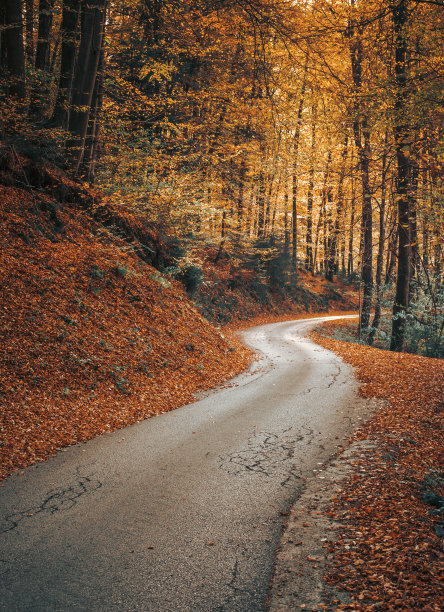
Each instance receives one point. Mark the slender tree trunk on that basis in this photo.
(425, 244)
(328, 230)
(361, 133)
(274, 208)
(286, 224)
(93, 23)
(268, 206)
(69, 31)
(208, 201)
(327, 198)
(295, 169)
(223, 234)
(321, 218)
(343, 268)
(425, 225)
(413, 193)
(30, 32)
(261, 206)
(3, 50)
(333, 246)
(251, 209)
(318, 231)
(55, 53)
(15, 52)
(350, 266)
(309, 234)
(400, 15)
(367, 231)
(240, 199)
(381, 244)
(42, 56)
(391, 248)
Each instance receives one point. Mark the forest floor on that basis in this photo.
(388, 512)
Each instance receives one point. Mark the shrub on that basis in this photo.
(120, 270)
(95, 272)
(191, 276)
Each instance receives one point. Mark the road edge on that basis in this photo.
(304, 550)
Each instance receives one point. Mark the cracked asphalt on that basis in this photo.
(182, 512)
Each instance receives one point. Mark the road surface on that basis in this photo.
(181, 512)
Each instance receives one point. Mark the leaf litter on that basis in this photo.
(388, 553)
(92, 338)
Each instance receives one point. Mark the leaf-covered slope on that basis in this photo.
(93, 338)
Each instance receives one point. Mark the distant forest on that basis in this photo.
(308, 133)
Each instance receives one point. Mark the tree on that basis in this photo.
(84, 81)
(42, 57)
(13, 46)
(361, 133)
(402, 132)
(69, 32)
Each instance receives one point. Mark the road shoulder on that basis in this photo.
(304, 551)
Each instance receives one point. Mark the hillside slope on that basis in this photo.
(93, 338)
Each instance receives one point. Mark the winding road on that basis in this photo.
(182, 512)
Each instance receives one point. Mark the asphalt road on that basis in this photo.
(181, 512)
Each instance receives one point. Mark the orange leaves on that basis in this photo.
(388, 554)
(92, 339)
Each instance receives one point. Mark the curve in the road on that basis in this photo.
(182, 512)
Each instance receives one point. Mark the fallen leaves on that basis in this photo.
(388, 555)
(92, 338)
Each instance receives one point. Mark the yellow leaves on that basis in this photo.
(156, 71)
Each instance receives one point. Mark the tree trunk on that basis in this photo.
(399, 16)
(30, 31)
(240, 199)
(268, 206)
(350, 266)
(69, 32)
(413, 193)
(425, 225)
(381, 244)
(92, 139)
(321, 218)
(222, 236)
(362, 140)
(295, 169)
(286, 225)
(15, 52)
(332, 251)
(261, 206)
(309, 234)
(367, 233)
(328, 231)
(3, 51)
(93, 22)
(391, 248)
(42, 56)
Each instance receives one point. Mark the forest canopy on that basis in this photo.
(283, 134)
